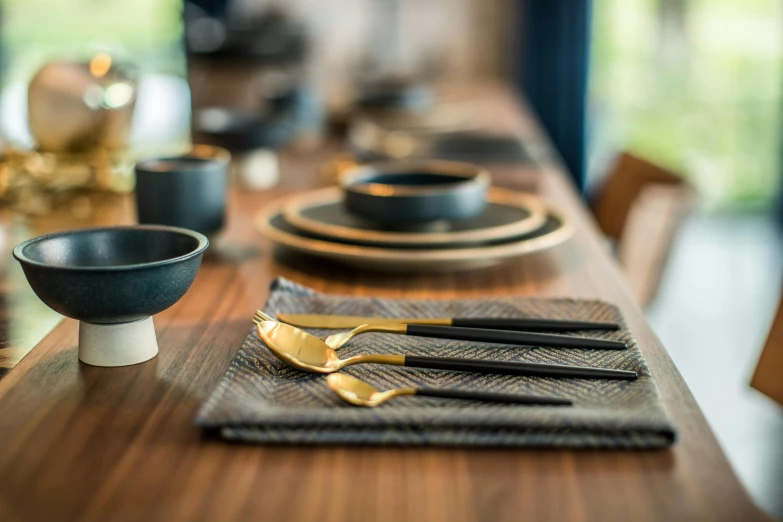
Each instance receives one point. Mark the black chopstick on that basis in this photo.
(531, 324)
(510, 337)
(517, 368)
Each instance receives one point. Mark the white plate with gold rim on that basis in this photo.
(271, 223)
(508, 214)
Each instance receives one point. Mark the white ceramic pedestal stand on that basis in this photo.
(120, 344)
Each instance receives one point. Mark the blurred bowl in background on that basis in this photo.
(187, 191)
(394, 134)
(395, 93)
(408, 194)
(237, 130)
(252, 141)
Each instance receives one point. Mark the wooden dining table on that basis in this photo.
(113, 444)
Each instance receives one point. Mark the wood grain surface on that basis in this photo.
(100, 444)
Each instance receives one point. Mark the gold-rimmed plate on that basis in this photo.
(508, 214)
(272, 224)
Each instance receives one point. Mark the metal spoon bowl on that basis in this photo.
(301, 350)
(360, 393)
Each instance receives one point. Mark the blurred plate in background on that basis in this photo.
(271, 223)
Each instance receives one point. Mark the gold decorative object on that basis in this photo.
(81, 106)
(34, 182)
(79, 114)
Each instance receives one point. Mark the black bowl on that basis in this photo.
(396, 94)
(402, 194)
(112, 275)
(239, 131)
(187, 191)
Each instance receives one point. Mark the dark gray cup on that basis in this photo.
(187, 191)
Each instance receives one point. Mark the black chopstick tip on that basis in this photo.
(606, 373)
(550, 401)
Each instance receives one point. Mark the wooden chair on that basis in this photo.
(640, 207)
(768, 377)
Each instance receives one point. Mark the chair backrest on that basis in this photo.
(629, 176)
(642, 206)
(768, 377)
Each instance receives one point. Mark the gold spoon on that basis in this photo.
(338, 340)
(360, 393)
(303, 351)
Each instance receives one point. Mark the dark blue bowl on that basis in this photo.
(187, 191)
(112, 275)
(239, 131)
(396, 94)
(401, 194)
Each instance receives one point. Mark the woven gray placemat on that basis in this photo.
(262, 400)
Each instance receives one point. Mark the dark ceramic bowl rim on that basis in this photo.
(473, 175)
(209, 155)
(203, 243)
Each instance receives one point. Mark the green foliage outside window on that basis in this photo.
(696, 86)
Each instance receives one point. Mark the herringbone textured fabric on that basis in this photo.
(262, 400)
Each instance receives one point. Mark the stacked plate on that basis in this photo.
(317, 223)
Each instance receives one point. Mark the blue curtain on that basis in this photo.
(552, 59)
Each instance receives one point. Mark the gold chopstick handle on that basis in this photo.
(400, 329)
(386, 321)
(392, 360)
(431, 321)
(352, 321)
